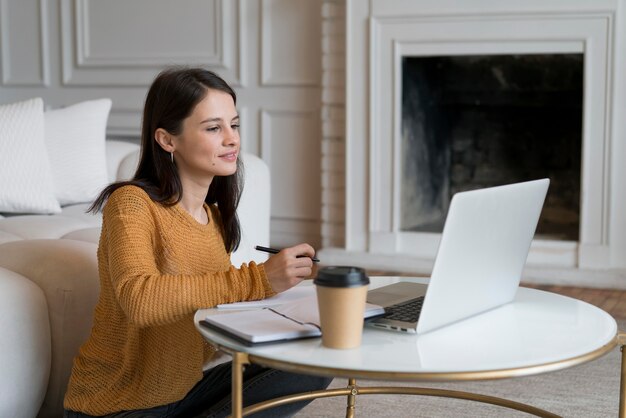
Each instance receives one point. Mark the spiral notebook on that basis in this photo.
(289, 321)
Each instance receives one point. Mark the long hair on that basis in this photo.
(174, 94)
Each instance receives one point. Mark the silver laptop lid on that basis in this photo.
(483, 249)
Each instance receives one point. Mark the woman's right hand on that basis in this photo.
(289, 267)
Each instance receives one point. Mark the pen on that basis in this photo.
(275, 251)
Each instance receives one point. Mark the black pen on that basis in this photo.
(275, 251)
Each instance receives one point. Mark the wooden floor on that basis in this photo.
(611, 300)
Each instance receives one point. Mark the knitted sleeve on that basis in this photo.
(149, 297)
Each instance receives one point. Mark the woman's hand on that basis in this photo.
(289, 267)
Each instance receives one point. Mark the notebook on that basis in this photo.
(275, 322)
(479, 262)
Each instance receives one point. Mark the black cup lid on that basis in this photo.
(341, 276)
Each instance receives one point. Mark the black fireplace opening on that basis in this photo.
(471, 122)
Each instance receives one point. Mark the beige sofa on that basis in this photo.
(49, 286)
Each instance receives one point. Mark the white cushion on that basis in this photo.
(79, 211)
(88, 234)
(43, 226)
(75, 137)
(8, 237)
(25, 181)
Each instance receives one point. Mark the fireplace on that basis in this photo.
(477, 121)
(503, 61)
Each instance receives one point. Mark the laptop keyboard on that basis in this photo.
(408, 311)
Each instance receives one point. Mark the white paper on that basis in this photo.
(262, 325)
(290, 295)
(306, 310)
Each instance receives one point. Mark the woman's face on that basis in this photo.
(208, 145)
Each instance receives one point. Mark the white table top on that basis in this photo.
(537, 332)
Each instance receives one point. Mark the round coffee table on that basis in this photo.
(536, 333)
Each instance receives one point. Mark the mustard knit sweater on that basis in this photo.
(157, 266)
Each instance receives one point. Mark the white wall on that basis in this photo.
(380, 32)
(67, 51)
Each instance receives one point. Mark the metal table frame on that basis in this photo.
(352, 390)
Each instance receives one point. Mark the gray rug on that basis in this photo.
(590, 390)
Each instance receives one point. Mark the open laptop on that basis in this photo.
(483, 249)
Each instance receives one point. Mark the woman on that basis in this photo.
(164, 253)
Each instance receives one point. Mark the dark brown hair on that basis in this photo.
(174, 94)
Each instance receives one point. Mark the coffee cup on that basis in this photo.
(341, 295)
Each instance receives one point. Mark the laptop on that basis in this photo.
(479, 262)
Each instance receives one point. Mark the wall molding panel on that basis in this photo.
(286, 232)
(290, 145)
(290, 43)
(147, 40)
(69, 51)
(124, 122)
(24, 57)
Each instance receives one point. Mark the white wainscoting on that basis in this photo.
(147, 35)
(292, 165)
(23, 43)
(290, 43)
(269, 50)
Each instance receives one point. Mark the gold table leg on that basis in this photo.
(354, 390)
(622, 381)
(239, 362)
(390, 390)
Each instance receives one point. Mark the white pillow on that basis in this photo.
(25, 180)
(75, 137)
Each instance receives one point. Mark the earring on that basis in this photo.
(172, 157)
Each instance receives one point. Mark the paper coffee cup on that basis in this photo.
(341, 295)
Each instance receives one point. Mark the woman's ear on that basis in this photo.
(164, 139)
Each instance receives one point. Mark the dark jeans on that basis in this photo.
(210, 397)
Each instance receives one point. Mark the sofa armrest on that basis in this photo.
(122, 159)
(24, 346)
(253, 211)
(66, 271)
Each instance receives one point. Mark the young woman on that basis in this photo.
(164, 253)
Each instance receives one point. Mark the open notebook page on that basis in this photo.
(290, 295)
(297, 319)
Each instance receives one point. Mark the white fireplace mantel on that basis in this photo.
(381, 32)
